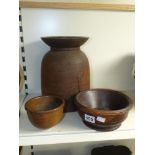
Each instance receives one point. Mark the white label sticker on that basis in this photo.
(89, 118)
(100, 119)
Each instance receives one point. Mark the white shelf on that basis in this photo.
(70, 130)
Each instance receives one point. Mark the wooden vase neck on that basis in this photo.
(74, 49)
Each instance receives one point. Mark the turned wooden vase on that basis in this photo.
(65, 69)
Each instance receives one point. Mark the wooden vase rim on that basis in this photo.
(64, 41)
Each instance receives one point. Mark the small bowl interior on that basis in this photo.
(44, 103)
(103, 99)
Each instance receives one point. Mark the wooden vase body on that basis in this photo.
(65, 69)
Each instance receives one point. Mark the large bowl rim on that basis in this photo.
(101, 110)
(46, 111)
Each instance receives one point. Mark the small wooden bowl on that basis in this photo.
(103, 109)
(45, 111)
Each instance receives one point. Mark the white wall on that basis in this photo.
(110, 49)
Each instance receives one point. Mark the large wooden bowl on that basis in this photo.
(45, 111)
(103, 109)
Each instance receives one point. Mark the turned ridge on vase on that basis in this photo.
(65, 69)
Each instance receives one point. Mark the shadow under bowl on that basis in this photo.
(45, 111)
(103, 109)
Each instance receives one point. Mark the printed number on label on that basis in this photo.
(89, 118)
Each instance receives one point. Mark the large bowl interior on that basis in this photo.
(43, 103)
(103, 99)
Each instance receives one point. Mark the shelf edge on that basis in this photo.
(76, 138)
(62, 5)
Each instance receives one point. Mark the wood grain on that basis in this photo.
(65, 72)
(62, 5)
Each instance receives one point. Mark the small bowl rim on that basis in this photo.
(102, 110)
(47, 111)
